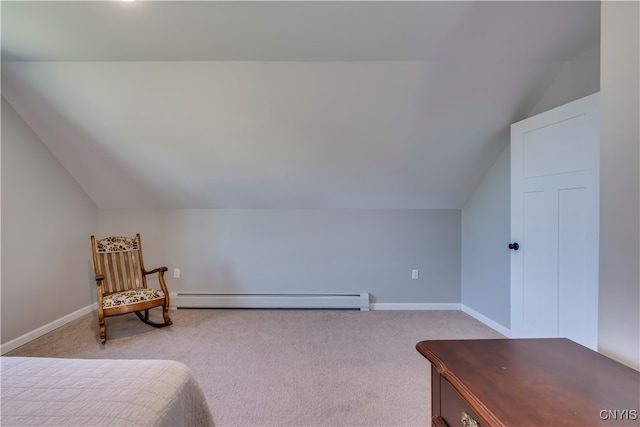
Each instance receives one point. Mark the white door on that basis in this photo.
(555, 221)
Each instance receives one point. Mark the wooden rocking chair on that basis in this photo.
(122, 281)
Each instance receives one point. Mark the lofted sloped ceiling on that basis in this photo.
(177, 104)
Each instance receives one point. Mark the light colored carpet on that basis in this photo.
(284, 367)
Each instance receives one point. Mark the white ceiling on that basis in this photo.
(283, 104)
(296, 31)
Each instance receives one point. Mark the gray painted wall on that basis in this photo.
(577, 78)
(46, 223)
(302, 251)
(485, 282)
(619, 308)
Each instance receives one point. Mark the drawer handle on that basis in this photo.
(467, 421)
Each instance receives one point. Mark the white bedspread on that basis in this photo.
(81, 392)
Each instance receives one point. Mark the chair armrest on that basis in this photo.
(99, 283)
(159, 270)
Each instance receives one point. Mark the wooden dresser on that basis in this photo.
(528, 382)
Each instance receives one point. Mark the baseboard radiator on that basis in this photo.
(209, 300)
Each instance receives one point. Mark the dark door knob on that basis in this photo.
(514, 246)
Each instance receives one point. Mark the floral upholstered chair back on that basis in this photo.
(120, 262)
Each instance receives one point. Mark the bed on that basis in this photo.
(74, 392)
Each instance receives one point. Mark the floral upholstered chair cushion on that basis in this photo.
(131, 297)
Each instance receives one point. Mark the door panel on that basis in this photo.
(564, 139)
(540, 304)
(573, 272)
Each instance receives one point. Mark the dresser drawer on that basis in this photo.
(448, 407)
(454, 410)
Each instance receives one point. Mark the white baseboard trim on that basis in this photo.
(484, 319)
(414, 306)
(30, 336)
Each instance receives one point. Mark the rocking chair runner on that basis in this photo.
(121, 280)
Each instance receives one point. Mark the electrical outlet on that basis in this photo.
(176, 273)
(414, 274)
